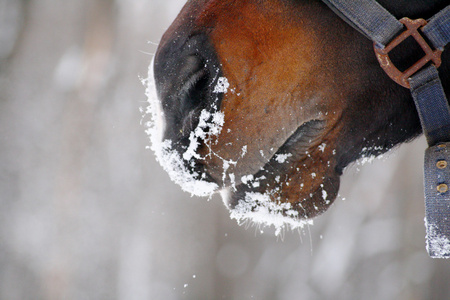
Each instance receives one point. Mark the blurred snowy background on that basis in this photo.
(87, 213)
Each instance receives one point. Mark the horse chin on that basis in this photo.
(292, 187)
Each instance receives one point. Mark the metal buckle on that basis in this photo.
(412, 29)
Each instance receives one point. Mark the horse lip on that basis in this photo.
(303, 136)
(300, 140)
(294, 148)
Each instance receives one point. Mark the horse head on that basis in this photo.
(269, 101)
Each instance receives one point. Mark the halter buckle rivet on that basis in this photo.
(442, 188)
(442, 164)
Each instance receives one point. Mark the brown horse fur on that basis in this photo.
(292, 66)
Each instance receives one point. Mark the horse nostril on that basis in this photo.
(185, 76)
(188, 94)
(190, 65)
(194, 80)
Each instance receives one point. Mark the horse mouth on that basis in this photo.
(263, 191)
(294, 149)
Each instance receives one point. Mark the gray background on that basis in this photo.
(87, 213)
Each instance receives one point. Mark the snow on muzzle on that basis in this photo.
(256, 207)
(179, 162)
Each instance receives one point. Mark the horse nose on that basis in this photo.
(185, 72)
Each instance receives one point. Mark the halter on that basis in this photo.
(376, 23)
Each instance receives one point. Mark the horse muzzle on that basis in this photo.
(186, 77)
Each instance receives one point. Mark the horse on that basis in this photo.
(267, 102)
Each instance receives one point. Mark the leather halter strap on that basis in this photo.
(368, 17)
(376, 23)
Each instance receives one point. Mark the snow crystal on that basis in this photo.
(324, 195)
(204, 129)
(366, 160)
(173, 164)
(244, 150)
(193, 145)
(222, 85)
(281, 158)
(171, 161)
(438, 246)
(259, 208)
(247, 178)
(369, 158)
(233, 180)
(322, 147)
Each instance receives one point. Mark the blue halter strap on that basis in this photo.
(376, 23)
